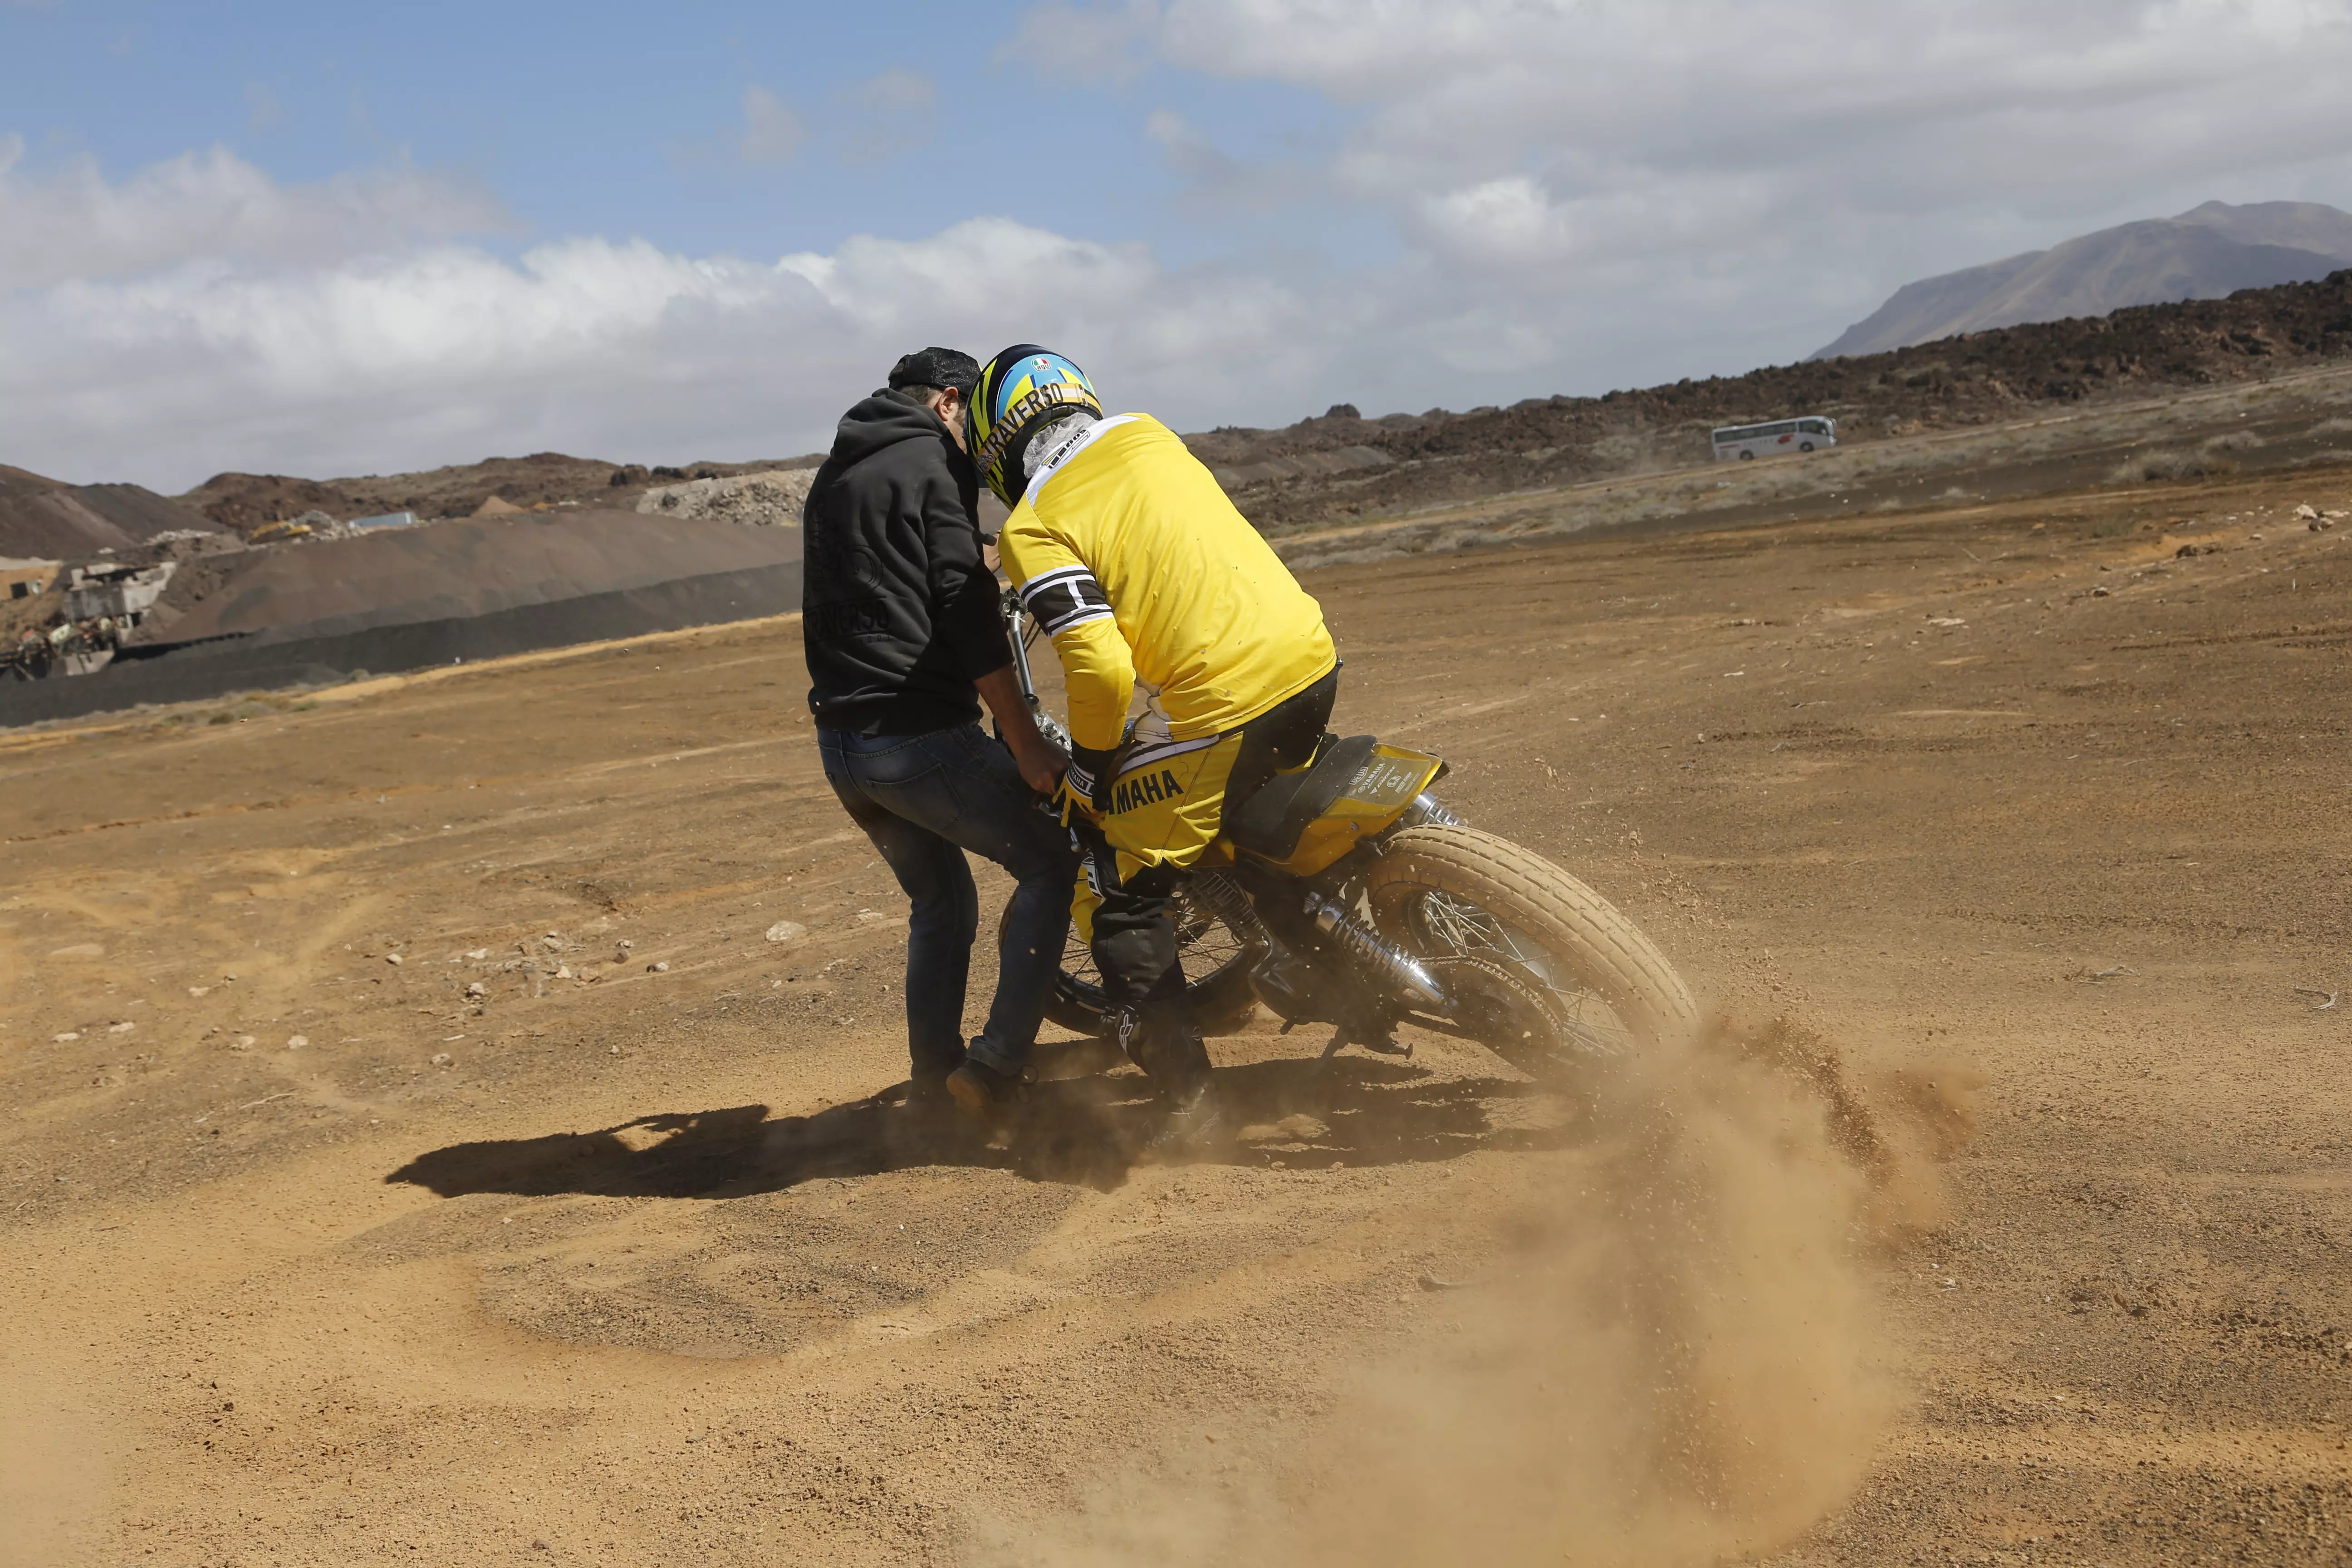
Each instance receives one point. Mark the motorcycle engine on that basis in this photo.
(1292, 989)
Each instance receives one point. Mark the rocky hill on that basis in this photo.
(1341, 466)
(2208, 252)
(246, 501)
(49, 519)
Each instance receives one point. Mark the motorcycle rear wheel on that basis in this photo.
(1558, 975)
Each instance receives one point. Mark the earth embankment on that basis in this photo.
(405, 598)
(246, 501)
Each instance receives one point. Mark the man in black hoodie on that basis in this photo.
(903, 638)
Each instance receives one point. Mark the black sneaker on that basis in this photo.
(986, 1094)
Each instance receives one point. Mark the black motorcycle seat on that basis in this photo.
(1269, 823)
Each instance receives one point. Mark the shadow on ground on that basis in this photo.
(1086, 1132)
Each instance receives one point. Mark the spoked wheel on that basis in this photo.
(1218, 942)
(1545, 971)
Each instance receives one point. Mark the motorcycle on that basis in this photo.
(1345, 893)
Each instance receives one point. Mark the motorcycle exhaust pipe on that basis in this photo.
(1403, 974)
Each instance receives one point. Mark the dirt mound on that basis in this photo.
(49, 519)
(313, 612)
(246, 501)
(314, 658)
(1341, 466)
(760, 500)
(452, 570)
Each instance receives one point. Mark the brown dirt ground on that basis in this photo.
(622, 1266)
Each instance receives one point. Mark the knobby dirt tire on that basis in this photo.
(1602, 948)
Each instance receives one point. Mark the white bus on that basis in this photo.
(1781, 436)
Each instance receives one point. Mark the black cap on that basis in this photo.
(936, 367)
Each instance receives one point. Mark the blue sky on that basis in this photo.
(330, 238)
(628, 120)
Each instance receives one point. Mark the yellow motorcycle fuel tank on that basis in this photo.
(1379, 793)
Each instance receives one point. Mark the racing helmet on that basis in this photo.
(1018, 391)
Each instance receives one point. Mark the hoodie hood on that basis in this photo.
(878, 422)
(881, 419)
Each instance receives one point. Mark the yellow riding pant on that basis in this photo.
(1167, 808)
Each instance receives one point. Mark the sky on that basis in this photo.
(331, 240)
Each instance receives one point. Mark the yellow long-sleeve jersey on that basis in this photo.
(1128, 555)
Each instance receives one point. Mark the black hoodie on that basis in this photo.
(900, 615)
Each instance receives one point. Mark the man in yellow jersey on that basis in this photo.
(1127, 553)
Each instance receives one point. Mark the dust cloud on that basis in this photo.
(1670, 1358)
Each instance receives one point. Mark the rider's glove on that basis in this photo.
(1090, 776)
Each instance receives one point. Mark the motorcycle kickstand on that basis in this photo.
(1327, 1075)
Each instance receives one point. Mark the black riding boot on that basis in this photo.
(1135, 948)
(1161, 1037)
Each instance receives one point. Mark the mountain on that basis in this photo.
(2207, 253)
(45, 519)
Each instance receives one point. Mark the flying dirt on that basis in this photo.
(447, 1113)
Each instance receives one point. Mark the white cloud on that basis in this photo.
(1862, 106)
(1744, 176)
(74, 224)
(438, 353)
(1588, 193)
(773, 131)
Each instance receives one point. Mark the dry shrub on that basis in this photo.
(2230, 441)
(2157, 468)
(1677, 1362)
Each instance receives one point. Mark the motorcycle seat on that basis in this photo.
(1269, 823)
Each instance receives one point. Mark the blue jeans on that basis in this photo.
(924, 800)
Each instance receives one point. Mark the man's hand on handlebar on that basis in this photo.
(1040, 761)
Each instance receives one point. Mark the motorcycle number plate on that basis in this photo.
(1392, 777)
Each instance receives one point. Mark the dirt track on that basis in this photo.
(640, 1274)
